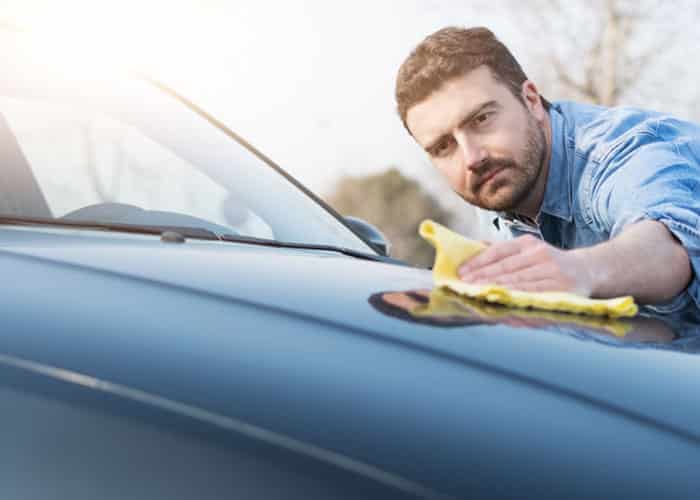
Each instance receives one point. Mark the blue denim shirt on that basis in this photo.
(611, 167)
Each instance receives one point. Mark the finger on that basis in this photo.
(505, 268)
(547, 285)
(491, 254)
(498, 251)
(529, 271)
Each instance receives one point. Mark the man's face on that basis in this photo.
(489, 144)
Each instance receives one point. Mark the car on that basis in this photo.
(183, 319)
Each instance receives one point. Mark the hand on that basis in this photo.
(529, 264)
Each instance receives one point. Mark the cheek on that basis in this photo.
(503, 144)
(451, 169)
(508, 139)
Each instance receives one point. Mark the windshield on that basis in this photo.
(112, 148)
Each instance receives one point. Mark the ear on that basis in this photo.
(532, 100)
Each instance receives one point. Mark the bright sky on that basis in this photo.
(309, 82)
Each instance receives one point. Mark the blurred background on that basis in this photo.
(310, 82)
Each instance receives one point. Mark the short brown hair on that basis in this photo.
(449, 53)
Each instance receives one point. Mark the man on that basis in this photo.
(601, 201)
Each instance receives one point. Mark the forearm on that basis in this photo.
(645, 261)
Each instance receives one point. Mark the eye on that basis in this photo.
(442, 148)
(482, 118)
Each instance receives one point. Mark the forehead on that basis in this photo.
(444, 109)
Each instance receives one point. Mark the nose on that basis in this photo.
(472, 151)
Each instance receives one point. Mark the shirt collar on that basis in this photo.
(557, 195)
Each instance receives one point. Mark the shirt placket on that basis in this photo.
(522, 227)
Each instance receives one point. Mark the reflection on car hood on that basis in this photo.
(648, 377)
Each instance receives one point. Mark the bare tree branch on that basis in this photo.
(600, 59)
(584, 89)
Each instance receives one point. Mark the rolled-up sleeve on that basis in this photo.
(656, 181)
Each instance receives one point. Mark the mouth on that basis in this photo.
(489, 176)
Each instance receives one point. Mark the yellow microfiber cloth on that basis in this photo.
(451, 250)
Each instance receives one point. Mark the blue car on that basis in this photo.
(181, 319)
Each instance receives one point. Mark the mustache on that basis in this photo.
(489, 166)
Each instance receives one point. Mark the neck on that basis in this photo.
(531, 205)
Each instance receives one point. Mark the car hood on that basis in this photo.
(649, 381)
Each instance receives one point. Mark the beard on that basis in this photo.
(522, 178)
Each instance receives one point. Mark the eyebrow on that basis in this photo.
(469, 116)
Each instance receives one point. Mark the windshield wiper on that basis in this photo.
(309, 246)
(187, 232)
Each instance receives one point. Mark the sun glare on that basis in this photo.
(152, 37)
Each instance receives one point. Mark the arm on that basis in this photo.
(645, 261)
